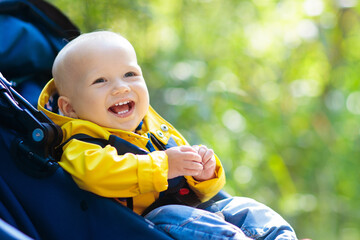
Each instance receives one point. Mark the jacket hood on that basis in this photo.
(47, 96)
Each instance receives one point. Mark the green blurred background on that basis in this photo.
(273, 86)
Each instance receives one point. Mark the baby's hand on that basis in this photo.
(183, 160)
(208, 161)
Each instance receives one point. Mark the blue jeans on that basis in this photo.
(231, 218)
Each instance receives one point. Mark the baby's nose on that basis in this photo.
(120, 87)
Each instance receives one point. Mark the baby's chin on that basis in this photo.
(128, 127)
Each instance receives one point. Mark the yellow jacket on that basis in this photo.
(104, 172)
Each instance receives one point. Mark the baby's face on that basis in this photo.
(109, 88)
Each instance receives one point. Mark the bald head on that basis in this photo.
(64, 69)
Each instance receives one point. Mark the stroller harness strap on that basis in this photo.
(178, 191)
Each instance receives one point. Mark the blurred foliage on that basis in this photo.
(271, 85)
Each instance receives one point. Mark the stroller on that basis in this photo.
(38, 200)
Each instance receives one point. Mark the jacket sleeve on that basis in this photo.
(209, 188)
(103, 172)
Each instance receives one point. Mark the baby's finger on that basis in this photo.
(191, 172)
(202, 151)
(196, 147)
(208, 155)
(190, 156)
(190, 165)
(187, 149)
(210, 163)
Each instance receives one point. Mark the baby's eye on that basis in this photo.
(99, 80)
(129, 74)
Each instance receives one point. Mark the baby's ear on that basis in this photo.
(66, 108)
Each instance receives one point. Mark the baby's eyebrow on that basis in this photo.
(134, 66)
(137, 67)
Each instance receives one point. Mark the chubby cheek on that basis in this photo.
(144, 94)
(144, 105)
(90, 109)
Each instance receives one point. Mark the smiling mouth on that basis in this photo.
(122, 109)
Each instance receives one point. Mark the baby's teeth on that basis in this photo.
(119, 104)
(122, 112)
